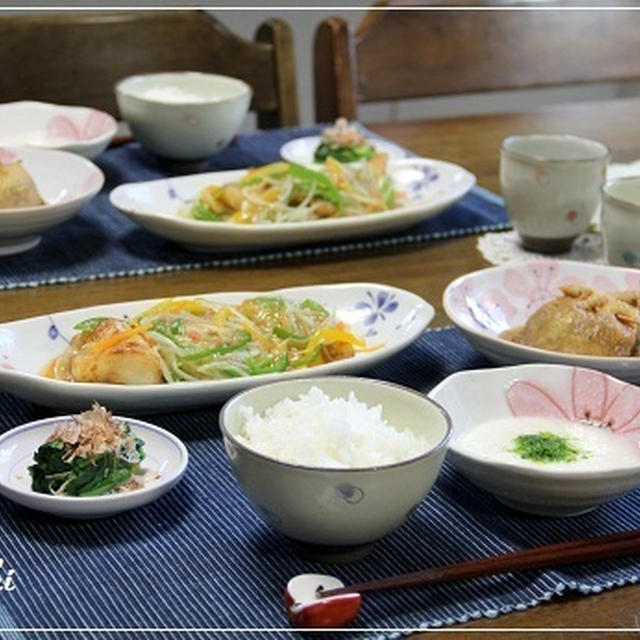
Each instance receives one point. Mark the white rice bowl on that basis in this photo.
(317, 431)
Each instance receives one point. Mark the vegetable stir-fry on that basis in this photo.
(283, 192)
(192, 339)
(91, 455)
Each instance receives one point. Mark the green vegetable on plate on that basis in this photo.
(88, 456)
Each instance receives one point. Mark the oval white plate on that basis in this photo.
(166, 461)
(65, 181)
(81, 130)
(301, 150)
(474, 397)
(431, 186)
(485, 303)
(381, 314)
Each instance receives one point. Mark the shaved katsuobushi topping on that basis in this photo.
(92, 454)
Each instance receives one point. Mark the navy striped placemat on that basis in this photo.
(102, 242)
(200, 558)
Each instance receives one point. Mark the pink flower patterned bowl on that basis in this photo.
(80, 130)
(485, 303)
(583, 396)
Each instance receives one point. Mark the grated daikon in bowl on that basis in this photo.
(318, 431)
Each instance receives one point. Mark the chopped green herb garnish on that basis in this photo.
(546, 447)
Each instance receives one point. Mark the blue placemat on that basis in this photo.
(200, 558)
(102, 242)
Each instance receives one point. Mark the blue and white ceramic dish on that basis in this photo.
(388, 319)
(429, 185)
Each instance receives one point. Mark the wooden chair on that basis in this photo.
(76, 58)
(411, 53)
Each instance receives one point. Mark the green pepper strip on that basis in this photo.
(297, 341)
(270, 302)
(89, 324)
(165, 331)
(243, 338)
(324, 187)
(315, 307)
(387, 191)
(200, 211)
(267, 365)
(305, 362)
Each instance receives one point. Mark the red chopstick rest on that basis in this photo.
(306, 608)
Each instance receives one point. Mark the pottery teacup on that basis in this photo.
(551, 186)
(620, 220)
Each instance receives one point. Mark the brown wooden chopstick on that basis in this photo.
(584, 550)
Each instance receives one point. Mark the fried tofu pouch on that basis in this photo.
(17, 188)
(583, 321)
(110, 353)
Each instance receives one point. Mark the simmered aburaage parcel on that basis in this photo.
(17, 189)
(192, 339)
(90, 455)
(584, 321)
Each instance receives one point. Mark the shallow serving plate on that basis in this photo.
(484, 303)
(82, 130)
(549, 391)
(165, 463)
(383, 315)
(301, 150)
(430, 185)
(65, 181)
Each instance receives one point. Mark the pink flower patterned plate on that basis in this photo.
(485, 303)
(543, 391)
(80, 130)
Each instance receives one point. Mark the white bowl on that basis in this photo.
(166, 461)
(183, 115)
(475, 397)
(65, 181)
(430, 185)
(383, 315)
(485, 303)
(338, 507)
(80, 130)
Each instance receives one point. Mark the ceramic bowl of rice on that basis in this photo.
(335, 461)
(183, 115)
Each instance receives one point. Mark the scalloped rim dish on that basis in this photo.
(381, 314)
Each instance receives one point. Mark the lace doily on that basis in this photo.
(504, 246)
(501, 247)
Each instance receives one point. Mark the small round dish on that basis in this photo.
(580, 396)
(65, 181)
(81, 130)
(338, 506)
(166, 461)
(301, 150)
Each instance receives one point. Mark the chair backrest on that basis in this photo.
(396, 54)
(76, 58)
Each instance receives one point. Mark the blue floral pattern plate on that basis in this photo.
(428, 186)
(388, 318)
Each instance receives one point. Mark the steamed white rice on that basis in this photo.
(317, 431)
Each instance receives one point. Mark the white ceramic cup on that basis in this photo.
(621, 221)
(551, 186)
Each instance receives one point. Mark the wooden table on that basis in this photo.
(426, 269)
